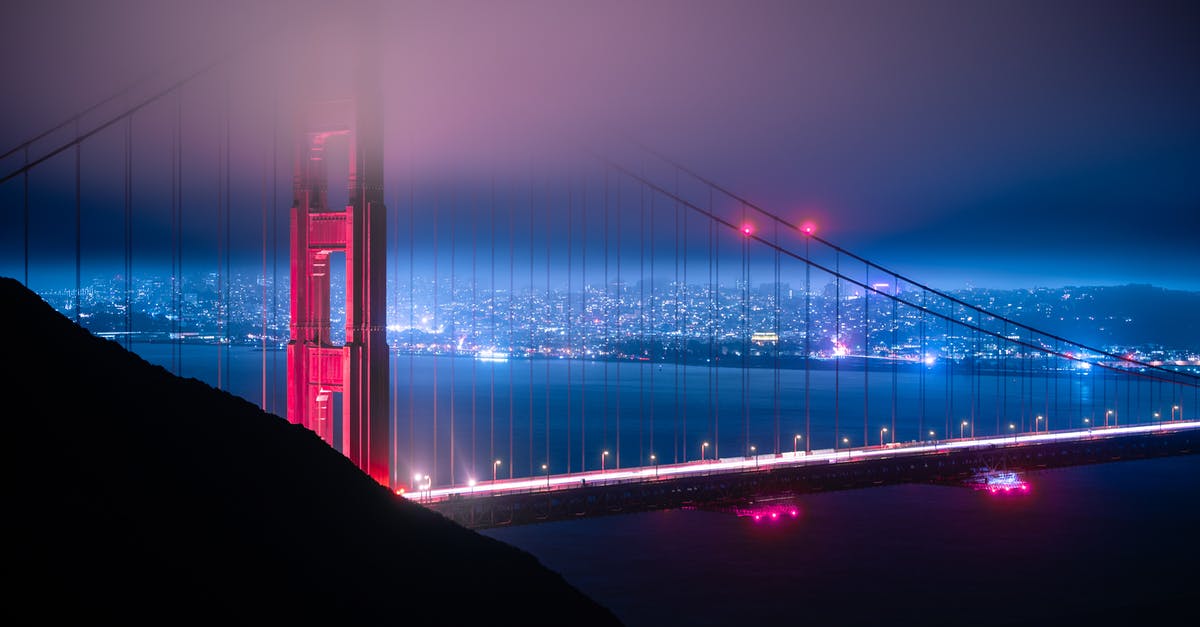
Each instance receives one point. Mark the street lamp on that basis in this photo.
(654, 460)
(1088, 424)
(881, 432)
(1037, 424)
(961, 426)
(603, 456)
(1175, 408)
(1156, 415)
(796, 444)
(471, 484)
(931, 438)
(1012, 427)
(546, 467)
(846, 441)
(754, 452)
(495, 465)
(703, 446)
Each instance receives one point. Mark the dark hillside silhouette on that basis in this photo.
(139, 496)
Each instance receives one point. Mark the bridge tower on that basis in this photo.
(358, 369)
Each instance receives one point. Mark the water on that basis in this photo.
(1086, 545)
(564, 413)
(1095, 543)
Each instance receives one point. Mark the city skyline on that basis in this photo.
(534, 319)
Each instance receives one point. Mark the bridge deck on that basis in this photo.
(728, 465)
(733, 480)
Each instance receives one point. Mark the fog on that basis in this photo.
(948, 138)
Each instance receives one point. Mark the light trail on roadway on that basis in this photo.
(770, 461)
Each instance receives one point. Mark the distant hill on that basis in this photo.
(1121, 315)
(136, 496)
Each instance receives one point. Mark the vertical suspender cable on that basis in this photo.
(569, 311)
(228, 231)
(25, 214)
(654, 347)
(895, 357)
(549, 316)
(492, 327)
(584, 335)
(179, 233)
(807, 343)
(837, 348)
(620, 338)
(453, 324)
(394, 348)
(412, 315)
(745, 281)
(275, 247)
(532, 346)
(437, 348)
(175, 261)
(681, 299)
(678, 338)
(866, 348)
(472, 343)
(642, 322)
(129, 233)
(712, 328)
(79, 221)
(717, 330)
(605, 313)
(512, 257)
(263, 284)
(948, 388)
(1003, 377)
(921, 362)
(776, 311)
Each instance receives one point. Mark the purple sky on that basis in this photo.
(991, 143)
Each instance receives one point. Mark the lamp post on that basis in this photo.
(603, 457)
(495, 465)
(881, 432)
(1087, 423)
(796, 445)
(1012, 428)
(654, 460)
(546, 467)
(471, 484)
(1175, 408)
(931, 439)
(703, 447)
(754, 452)
(961, 426)
(846, 441)
(1037, 424)
(1156, 415)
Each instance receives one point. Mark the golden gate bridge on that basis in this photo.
(702, 379)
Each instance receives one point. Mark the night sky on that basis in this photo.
(991, 144)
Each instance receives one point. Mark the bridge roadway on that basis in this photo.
(552, 497)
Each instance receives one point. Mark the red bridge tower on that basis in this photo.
(358, 370)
